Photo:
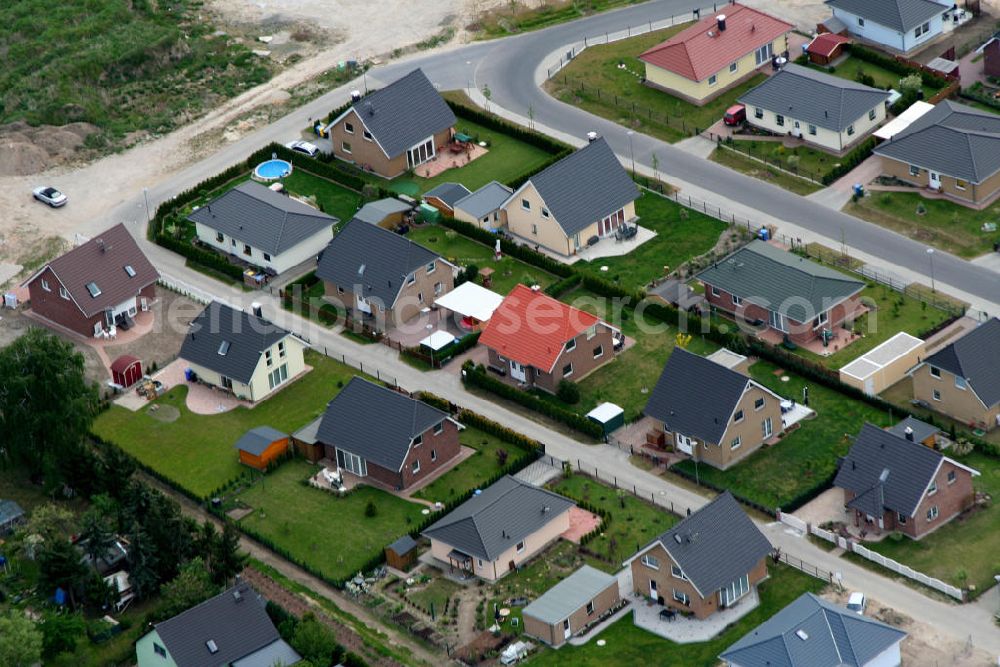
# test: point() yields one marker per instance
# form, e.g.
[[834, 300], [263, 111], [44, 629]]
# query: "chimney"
[[370, 108], [591, 137], [100, 244], [720, 21], [536, 288], [908, 433], [355, 96], [256, 309]]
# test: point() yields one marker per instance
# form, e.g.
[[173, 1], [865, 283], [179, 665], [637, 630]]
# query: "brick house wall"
[[991, 58], [962, 405], [963, 194], [554, 634], [65, 312], [666, 583], [798, 332], [583, 358], [366, 153], [749, 430]]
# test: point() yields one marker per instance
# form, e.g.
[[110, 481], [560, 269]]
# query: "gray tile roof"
[[485, 200], [384, 440], [570, 594], [976, 357], [716, 545], [263, 218], [256, 440], [775, 279], [951, 138], [900, 15], [585, 186], [815, 97], [487, 525], [375, 212], [910, 465], [246, 336], [811, 632], [372, 261], [696, 396], [921, 430], [239, 626], [102, 260], [403, 545], [275, 653], [308, 433], [449, 193], [404, 113]]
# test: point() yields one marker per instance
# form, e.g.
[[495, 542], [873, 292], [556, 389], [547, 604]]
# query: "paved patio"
[[414, 330], [581, 522], [841, 338], [689, 630], [201, 399], [445, 160]]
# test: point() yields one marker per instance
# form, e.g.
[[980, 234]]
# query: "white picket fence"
[[190, 291], [908, 572]]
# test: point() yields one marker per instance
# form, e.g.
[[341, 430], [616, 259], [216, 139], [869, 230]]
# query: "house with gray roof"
[[709, 561], [381, 278], [270, 230], [394, 129], [823, 110], [712, 413], [893, 483], [811, 632], [499, 528], [583, 198], [901, 26], [443, 196], [962, 380], [576, 603], [388, 212], [231, 629], [387, 438], [765, 285], [241, 352], [952, 149], [482, 207]]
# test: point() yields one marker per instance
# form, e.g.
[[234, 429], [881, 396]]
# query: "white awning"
[[438, 340], [903, 120], [471, 300]]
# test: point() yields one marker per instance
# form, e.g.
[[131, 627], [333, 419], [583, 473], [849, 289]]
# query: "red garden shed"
[[126, 370]]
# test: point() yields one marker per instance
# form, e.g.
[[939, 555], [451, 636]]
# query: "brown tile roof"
[[703, 50]]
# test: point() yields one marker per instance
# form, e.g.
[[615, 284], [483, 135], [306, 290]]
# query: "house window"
[[737, 300], [438, 288], [571, 344], [932, 513], [420, 297], [650, 561], [850, 129], [525, 204], [763, 54], [677, 573], [434, 455], [352, 463], [349, 128], [415, 467], [247, 250], [63, 293], [951, 476], [534, 230], [591, 332], [267, 358], [598, 352], [861, 22], [901, 519], [935, 372], [922, 29], [439, 428], [959, 184], [812, 130], [735, 444], [281, 349], [733, 67], [412, 278], [960, 382], [758, 404], [937, 395], [367, 135], [715, 291], [159, 650], [821, 319], [220, 237], [712, 80], [758, 113], [98, 328], [545, 212], [347, 147], [766, 429], [590, 608], [932, 489], [418, 440], [232, 242], [520, 547], [871, 115], [340, 290], [277, 376], [45, 285], [735, 590], [779, 119], [267, 257], [738, 417], [682, 597], [567, 370], [430, 267]]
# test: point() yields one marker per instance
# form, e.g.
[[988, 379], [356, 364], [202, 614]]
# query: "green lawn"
[[763, 172], [810, 162], [626, 645], [943, 224], [462, 251], [196, 451], [473, 472], [634, 523], [682, 234], [333, 199], [806, 458], [850, 68], [594, 82], [963, 551], [434, 594], [329, 533]]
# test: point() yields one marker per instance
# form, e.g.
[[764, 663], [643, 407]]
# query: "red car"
[[735, 115]]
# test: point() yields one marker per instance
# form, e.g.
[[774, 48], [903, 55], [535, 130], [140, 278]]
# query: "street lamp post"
[[145, 197], [631, 153], [930, 254]]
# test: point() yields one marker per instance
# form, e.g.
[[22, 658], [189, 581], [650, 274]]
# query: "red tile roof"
[[531, 327], [825, 43], [703, 50]]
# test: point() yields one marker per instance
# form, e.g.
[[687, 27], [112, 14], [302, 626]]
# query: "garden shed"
[[608, 415], [402, 553], [885, 365], [126, 370], [259, 447]]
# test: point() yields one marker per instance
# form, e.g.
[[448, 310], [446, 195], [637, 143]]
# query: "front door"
[[652, 589], [684, 443], [227, 383], [566, 632], [517, 371], [935, 180], [765, 427]]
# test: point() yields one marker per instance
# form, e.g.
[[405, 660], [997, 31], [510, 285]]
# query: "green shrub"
[[568, 392]]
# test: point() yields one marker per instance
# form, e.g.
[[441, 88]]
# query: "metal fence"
[[808, 568], [660, 499], [745, 149]]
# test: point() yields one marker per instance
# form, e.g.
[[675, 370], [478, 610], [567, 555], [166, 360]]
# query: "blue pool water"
[[272, 170]]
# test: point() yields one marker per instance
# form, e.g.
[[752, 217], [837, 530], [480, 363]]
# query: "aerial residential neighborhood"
[[478, 333]]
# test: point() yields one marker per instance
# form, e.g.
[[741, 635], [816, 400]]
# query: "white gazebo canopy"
[[903, 120], [438, 340], [470, 300]]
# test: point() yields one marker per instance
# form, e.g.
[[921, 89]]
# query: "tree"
[[314, 641], [228, 560], [59, 566], [60, 632], [97, 533], [51, 521], [46, 404], [20, 640], [912, 84], [568, 392], [142, 562], [191, 586]]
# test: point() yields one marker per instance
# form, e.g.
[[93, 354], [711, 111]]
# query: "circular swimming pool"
[[272, 170]]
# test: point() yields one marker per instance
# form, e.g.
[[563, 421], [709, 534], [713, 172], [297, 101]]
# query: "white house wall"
[[301, 252], [880, 34], [826, 138]]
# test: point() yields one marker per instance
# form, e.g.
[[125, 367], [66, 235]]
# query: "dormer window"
[[130, 271], [94, 290]]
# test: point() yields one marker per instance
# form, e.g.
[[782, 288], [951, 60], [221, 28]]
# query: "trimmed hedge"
[[521, 252], [477, 377], [563, 285], [518, 132], [893, 65], [850, 161]]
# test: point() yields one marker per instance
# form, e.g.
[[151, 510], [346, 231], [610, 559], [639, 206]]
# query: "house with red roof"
[[716, 53], [537, 341]]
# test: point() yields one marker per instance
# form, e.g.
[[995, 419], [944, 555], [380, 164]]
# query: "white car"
[[857, 603], [303, 147], [49, 195]]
